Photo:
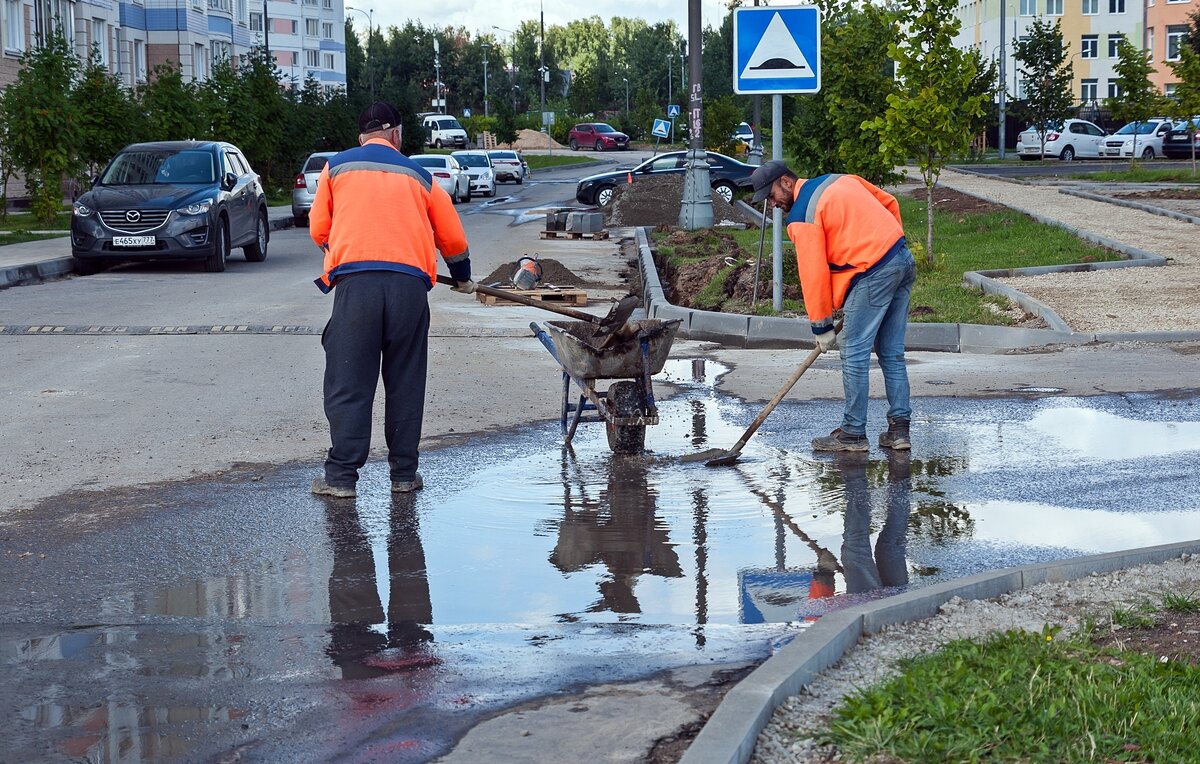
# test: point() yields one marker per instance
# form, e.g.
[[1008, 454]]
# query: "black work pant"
[[380, 321]]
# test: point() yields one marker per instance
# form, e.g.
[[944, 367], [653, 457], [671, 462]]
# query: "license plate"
[[133, 241]]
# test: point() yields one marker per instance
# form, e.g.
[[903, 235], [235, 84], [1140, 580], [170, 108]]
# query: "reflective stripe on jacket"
[[376, 209], [841, 226]]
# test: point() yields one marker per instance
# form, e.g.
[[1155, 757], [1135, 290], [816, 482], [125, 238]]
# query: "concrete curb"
[[743, 331], [730, 733], [31, 273], [1131, 204]]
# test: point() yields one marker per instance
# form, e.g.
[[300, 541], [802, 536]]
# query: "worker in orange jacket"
[[851, 256], [381, 220]]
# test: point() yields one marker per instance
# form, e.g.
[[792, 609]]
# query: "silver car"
[[448, 173], [305, 187], [479, 167], [508, 165]]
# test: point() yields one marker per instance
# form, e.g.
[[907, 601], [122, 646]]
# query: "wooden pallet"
[[598, 235], [572, 297]]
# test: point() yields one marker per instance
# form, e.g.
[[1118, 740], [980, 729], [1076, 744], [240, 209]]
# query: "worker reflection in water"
[[888, 567], [355, 608], [622, 532]]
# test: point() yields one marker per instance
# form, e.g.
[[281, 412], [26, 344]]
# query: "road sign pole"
[[777, 214], [696, 211]]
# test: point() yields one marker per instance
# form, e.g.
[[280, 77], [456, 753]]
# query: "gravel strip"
[[1118, 300], [786, 739]]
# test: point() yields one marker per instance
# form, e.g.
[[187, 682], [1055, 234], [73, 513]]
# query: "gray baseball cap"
[[762, 178]]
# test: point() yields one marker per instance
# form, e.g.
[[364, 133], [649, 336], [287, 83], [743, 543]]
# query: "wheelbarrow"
[[627, 406]]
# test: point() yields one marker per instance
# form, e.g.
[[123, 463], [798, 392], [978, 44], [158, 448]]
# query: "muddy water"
[[244, 614]]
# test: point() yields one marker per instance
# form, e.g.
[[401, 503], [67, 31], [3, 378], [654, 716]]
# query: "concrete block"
[[975, 338], [560, 220], [727, 328], [777, 332], [1081, 567], [924, 602], [551, 221], [1192, 336], [938, 337]]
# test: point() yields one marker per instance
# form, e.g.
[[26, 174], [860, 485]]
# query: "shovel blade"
[[702, 456], [724, 460]]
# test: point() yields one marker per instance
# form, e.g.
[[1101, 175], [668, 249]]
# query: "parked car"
[[508, 165], [743, 135], [442, 130], [1178, 143], [448, 173], [597, 135], [479, 170], [191, 200], [1073, 139], [725, 174], [1146, 137], [305, 187]]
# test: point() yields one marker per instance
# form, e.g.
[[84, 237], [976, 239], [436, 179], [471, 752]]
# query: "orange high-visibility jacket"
[[376, 209], [841, 226]]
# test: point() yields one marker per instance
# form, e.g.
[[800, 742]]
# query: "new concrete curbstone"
[[744, 711], [979, 338], [935, 337], [1130, 204]]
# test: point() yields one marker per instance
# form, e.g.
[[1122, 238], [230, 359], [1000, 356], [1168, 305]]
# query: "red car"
[[597, 135]]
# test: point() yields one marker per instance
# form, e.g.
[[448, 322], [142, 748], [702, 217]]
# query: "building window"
[[1114, 45], [312, 58], [256, 22], [1091, 7], [1089, 46], [294, 26], [310, 27], [1088, 90], [327, 61], [139, 60], [1114, 89], [1054, 7], [100, 40], [1028, 7], [313, 3], [327, 30], [219, 5], [199, 63], [14, 26], [220, 51], [1022, 90], [328, 4], [1116, 6], [52, 16], [1150, 41], [1169, 90], [1175, 37]]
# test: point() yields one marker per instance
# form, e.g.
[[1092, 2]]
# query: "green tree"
[[720, 119], [41, 123], [929, 116], [504, 118], [109, 118], [1139, 99], [170, 104], [1187, 93], [1042, 61], [857, 77]]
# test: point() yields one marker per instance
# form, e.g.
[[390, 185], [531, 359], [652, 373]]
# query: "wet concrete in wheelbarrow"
[[240, 616]]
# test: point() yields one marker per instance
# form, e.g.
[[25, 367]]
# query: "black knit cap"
[[378, 116]]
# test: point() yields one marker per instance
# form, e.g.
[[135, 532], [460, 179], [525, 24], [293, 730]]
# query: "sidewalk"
[[50, 258]]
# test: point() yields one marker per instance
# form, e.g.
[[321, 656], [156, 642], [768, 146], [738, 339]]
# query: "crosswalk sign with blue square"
[[662, 128], [777, 49], [672, 111]]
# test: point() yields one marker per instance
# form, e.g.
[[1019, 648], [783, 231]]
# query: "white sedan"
[[479, 168], [1147, 135], [1073, 139], [448, 173]]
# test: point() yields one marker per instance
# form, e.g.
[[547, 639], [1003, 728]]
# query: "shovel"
[[715, 457], [608, 328]]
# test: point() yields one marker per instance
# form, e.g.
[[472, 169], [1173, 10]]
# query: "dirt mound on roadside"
[[533, 139], [721, 253], [656, 201], [553, 272]]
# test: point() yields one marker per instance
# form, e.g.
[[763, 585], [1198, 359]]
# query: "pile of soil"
[[532, 139], [721, 253], [553, 272], [949, 200], [656, 200]]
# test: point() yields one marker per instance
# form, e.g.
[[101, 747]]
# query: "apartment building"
[[306, 37], [1092, 31], [1166, 26]]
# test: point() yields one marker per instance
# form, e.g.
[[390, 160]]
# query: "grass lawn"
[[20, 237], [543, 161], [23, 221], [1144, 174], [1029, 697], [963, 241]]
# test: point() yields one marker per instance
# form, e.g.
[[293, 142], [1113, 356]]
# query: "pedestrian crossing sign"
[[662, 128], [777, 49]]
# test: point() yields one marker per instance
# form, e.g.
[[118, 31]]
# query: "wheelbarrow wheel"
[[626, 399]]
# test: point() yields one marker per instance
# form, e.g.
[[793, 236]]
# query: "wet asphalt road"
[[241, 614]]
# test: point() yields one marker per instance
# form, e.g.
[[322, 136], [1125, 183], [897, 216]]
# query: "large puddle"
[[524, 569]]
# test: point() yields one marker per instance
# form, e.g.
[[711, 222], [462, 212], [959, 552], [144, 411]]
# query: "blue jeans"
[[876, 315]]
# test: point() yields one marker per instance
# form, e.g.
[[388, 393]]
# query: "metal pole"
[[437, 69], [1001, 74], [485, 63], [626, 93], [542, 70], [696, 211], [777, 214], [266, 27]]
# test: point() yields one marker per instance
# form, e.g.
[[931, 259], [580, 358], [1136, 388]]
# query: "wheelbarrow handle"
[[507, 295]]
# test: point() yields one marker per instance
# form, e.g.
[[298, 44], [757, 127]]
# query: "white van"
[[442, 130]]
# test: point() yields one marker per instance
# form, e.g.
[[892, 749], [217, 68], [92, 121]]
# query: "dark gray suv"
[[193, 200]]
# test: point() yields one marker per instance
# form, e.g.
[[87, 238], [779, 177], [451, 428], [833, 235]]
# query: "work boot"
[[408, 486], [321, 488], [840, 441], [896, 436]]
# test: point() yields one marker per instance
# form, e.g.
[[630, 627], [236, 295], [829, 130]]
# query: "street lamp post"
[[437, 74], [1000, 109], [626, 79], [485, 92], [370, 14]]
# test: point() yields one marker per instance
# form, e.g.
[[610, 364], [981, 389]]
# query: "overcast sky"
[[479, 15]]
